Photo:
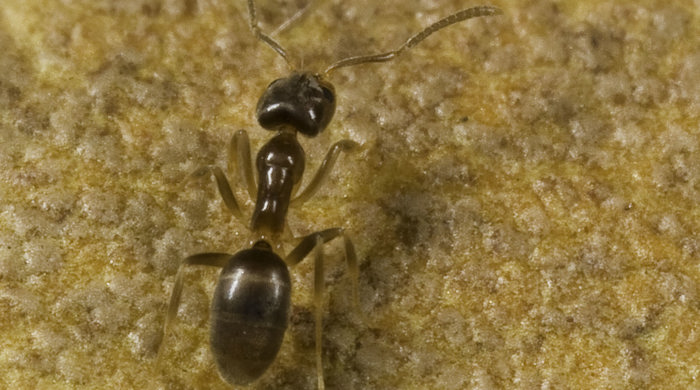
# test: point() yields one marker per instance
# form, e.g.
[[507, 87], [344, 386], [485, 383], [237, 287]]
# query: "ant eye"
[[302, 101]]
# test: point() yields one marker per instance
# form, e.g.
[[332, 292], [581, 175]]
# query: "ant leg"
[[314, 242], [223, 185], [240, 147], [308, 243], [354, 271], [318, 306], [324, 169], [210, 259]]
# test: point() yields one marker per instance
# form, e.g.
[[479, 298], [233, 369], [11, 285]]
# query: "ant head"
[[302, 101]]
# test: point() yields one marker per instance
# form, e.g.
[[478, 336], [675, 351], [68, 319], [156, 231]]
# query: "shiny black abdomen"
[[249, 314]]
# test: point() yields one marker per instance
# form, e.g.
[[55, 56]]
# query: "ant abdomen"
[[249, 314]]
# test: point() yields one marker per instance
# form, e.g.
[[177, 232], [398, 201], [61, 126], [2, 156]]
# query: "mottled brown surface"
[[524, 204]]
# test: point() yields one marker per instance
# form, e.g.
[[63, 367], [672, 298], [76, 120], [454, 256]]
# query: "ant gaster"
[[250, 307]]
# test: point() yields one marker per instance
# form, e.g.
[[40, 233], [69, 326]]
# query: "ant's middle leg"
[[324, 169]]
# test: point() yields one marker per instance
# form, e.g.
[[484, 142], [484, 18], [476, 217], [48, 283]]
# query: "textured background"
[[524, 203]]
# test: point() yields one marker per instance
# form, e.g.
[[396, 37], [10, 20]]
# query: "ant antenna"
[[417, 38], [264, 37], [297, 17]]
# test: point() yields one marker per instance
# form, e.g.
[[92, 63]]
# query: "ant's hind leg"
[[354, 273], [314, 242], [308, 243], [210, 259], [324, 169], [240, 147], [318, 309]]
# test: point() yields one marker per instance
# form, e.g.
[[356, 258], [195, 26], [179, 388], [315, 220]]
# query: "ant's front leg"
[[324, 169], [240, 147], [224, 187]]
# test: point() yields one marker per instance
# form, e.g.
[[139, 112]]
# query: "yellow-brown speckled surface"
[[524, 203]]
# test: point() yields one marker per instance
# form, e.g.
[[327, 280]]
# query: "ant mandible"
[[250, 307]]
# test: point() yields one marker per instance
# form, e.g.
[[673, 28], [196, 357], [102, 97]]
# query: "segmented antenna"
[[264, 37], [296, 18], [417, 38]]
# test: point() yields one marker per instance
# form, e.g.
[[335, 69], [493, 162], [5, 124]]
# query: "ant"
[[250, 306]]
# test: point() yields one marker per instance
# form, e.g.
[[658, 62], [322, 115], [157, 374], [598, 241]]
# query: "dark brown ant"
[[250, 307]]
